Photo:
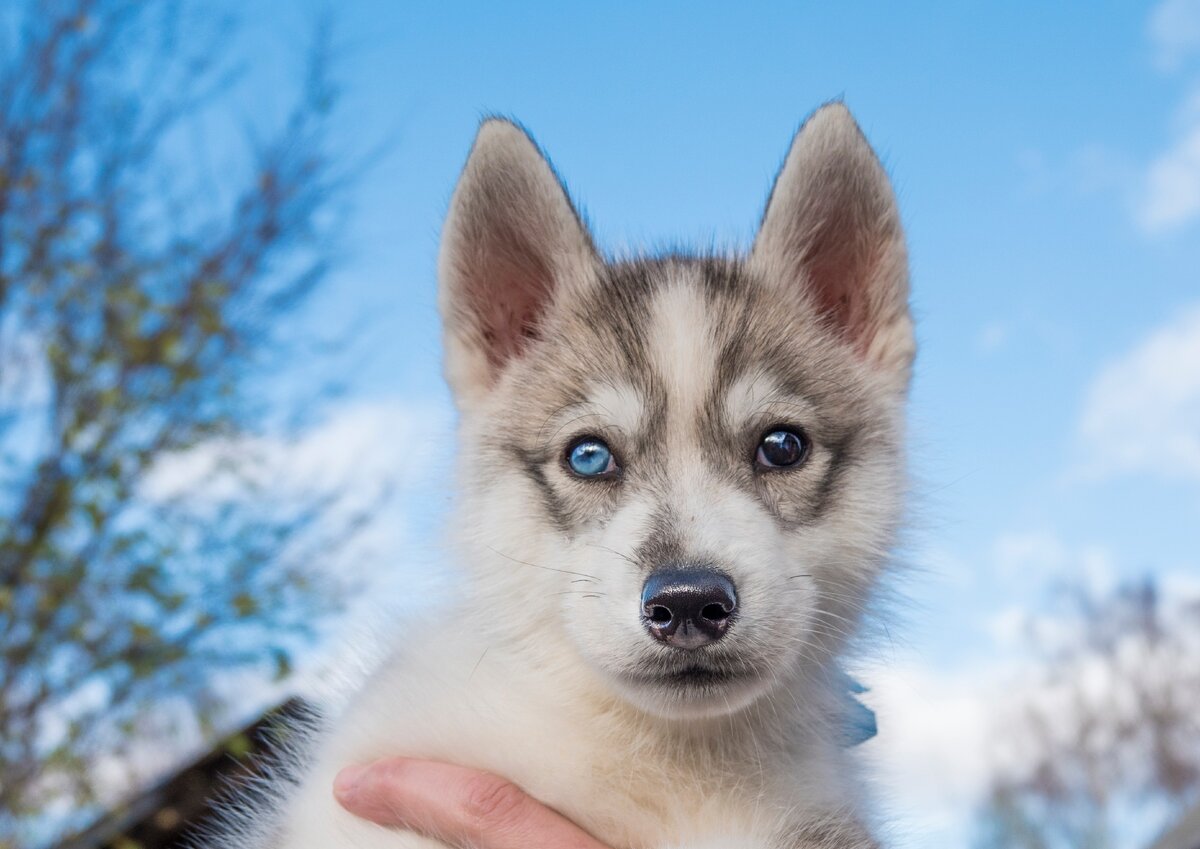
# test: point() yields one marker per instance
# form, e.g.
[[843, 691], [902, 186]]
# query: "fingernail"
[[347, 781]]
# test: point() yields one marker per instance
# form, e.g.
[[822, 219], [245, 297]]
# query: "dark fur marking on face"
[[620, 312], [840, 459], [794, 497], [532, 465], [619, 303]]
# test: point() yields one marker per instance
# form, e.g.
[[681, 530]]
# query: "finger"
[[459, 806]]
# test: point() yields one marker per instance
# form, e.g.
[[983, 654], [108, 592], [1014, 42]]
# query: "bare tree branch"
[[1109, 742], [134, 314]]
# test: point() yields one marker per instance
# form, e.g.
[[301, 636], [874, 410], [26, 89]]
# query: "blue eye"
[[590, 457], [781, 449]]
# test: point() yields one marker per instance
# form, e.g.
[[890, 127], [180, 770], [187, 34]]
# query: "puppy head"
[[689, 469]]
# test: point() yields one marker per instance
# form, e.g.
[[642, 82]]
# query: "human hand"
[[462, 807]]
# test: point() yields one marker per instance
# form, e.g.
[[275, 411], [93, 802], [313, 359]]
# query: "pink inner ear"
[[517, 295], [839, 276]]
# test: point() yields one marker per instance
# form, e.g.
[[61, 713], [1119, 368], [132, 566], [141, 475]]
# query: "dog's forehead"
[[683, 334], [683, 341], [668, 354]]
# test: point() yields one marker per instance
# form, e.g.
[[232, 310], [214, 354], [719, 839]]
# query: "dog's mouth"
[[698, 676], [689, 687], [693, 677]]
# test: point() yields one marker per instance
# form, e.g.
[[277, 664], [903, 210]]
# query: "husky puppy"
[[680, 478]]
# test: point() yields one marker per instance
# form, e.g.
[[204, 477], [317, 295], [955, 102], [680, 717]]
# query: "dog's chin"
[[695, 691]]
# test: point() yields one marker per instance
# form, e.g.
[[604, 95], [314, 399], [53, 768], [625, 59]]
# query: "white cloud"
[[1170, 194], [1161, 194], [932, 757], [1142, 411], [390, 457], [1174, 30], [25, 396], [363, 444], [1028, 567]]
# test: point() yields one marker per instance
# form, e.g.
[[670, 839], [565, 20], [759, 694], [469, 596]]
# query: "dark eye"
[[590, 457], [781, 449]]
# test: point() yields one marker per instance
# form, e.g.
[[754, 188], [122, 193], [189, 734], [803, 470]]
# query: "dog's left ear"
[[831, 232], [511, 246]]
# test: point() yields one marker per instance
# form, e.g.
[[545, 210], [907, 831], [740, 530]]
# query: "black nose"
[[688, 608]]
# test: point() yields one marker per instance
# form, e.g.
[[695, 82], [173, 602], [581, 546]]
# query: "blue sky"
[[1047, 160]]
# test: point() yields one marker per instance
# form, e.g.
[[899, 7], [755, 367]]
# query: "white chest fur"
[[632, 780]]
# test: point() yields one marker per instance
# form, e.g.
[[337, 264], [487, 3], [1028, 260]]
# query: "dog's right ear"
[[831, 233], [512, 243]]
